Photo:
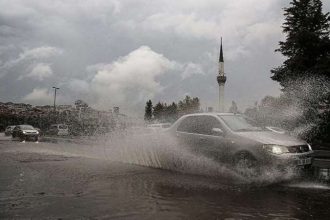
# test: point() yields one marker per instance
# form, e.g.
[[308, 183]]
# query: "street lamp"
[[55, 88]]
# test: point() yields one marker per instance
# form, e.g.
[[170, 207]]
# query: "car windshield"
[[27, 127], [239, 123]]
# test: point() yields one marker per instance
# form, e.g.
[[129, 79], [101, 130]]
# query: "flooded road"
[[73, 181]]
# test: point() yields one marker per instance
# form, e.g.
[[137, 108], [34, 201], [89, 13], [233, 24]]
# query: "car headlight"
[[24, 132], [276, 149]]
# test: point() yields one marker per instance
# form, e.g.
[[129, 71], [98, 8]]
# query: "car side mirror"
[[217, 131]]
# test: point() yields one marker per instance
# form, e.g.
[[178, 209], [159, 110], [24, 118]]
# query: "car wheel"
[[21, 138], [244, 160]]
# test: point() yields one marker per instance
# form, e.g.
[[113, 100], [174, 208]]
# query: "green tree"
[[305, 74], [148, 111], [189, 105], [172, 112], [159, 111], [307, 44]]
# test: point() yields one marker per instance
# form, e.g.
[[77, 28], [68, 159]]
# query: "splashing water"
[[159, 150], [309, 185]]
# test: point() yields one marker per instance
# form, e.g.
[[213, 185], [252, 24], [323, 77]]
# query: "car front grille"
[[298, 149]]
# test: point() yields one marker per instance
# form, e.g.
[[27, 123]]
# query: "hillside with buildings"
[[81, 118]]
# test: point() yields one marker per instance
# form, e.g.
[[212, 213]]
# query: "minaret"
[[221, 78]]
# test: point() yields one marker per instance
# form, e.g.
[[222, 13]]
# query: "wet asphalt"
[[52, 181]]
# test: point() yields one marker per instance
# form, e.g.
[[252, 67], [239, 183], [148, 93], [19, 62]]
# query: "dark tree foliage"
[[159, 111], [189, 105], [172, 112], [148, 111], [305, 74], [307, 44], [162, 112]]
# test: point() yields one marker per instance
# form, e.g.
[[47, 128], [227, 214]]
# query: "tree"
[[80, 104], [305, 74], [307, 44], [148, 111], [172, 112], [233, 108], [188, 105], [159, 111]]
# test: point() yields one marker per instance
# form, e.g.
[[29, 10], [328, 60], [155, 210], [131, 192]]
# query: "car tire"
[[21, 138], [244, 160]]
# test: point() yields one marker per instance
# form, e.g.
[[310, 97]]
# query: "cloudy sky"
[[123, 52]]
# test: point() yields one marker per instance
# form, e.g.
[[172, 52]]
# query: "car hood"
[[265, 137]]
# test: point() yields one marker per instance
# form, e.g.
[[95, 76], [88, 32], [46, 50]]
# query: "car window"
[[206, 123], [202, 124], [239, 123], [188, 125], [27, 127]]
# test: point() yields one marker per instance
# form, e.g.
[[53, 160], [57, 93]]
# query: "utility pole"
[[55, 88]]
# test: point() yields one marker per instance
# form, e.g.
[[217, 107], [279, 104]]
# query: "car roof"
[[24, 125]]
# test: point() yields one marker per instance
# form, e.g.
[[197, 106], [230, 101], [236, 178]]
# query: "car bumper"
[[293, 159], [30, 136]]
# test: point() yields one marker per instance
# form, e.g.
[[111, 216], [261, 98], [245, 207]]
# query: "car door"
[[211, 143], [186, 133]]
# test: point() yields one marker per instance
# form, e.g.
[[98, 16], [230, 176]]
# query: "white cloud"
[[79, 86], [185, 25], [39, 53], [100, 31], [191, 69], [34, 54], [39, 72], [130, 79], [39, 96]]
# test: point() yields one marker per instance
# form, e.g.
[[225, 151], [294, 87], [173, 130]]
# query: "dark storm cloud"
[[101, 50]]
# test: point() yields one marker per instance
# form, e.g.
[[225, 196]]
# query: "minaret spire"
[[221, 78], [221, 53]]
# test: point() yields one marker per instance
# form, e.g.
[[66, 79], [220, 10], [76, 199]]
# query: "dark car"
[[231, 138], [25, 132], [9, 130]]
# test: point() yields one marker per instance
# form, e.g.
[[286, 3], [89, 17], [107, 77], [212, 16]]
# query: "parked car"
[[231, 138], [25, 133], [158, 127], [58, 129], [40, 131], [9, 130]]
